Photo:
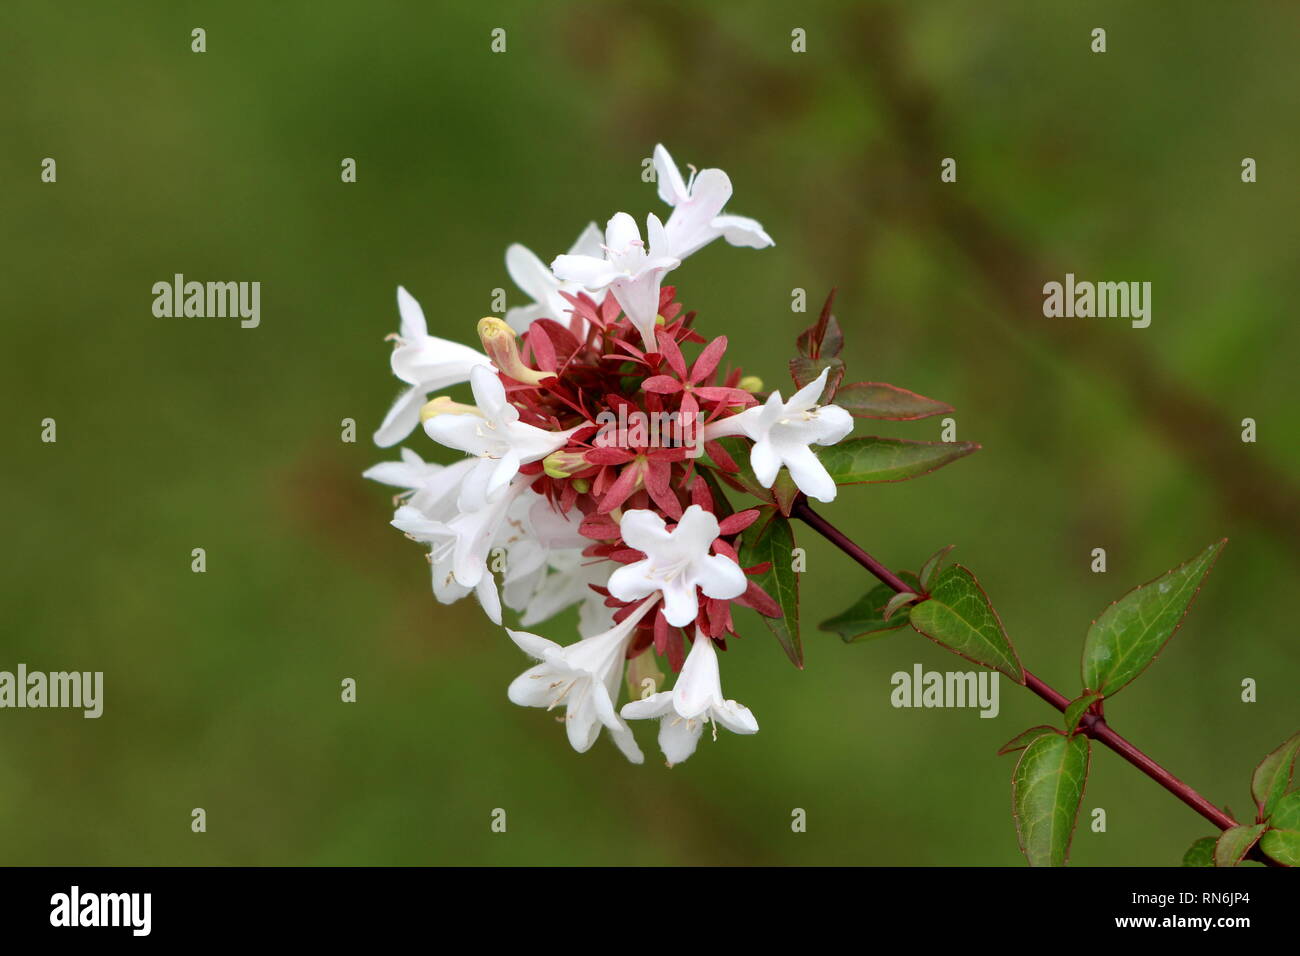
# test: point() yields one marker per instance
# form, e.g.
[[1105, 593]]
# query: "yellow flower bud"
[[503, 349]]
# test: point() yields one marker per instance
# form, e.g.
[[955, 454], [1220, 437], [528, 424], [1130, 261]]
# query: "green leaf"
[[1235, 843], [1026, 737], [1282, 845], [932, 565], [957, 615], [887, 402], [770, 539], [1200, 853], [866, 618], [1286, 815], [1078, 707], [861, 460], [1047, 787], [1132, 631], [1272, 777]]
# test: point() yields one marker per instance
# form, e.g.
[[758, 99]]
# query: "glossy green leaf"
[[1078, 707], [1026, 737], [1235, 843], [886, 402], [1273, 776], [861, 460], [1047, 787], [770, 539], [1282, 845], [958, 616], [866, 618], [1132, 631], [1200, 853]]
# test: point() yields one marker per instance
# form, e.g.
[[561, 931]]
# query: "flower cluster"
[[594, 469]]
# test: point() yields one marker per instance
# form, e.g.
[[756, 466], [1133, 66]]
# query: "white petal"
[[696, 530], [742, 231], [532, 688], [809, 474], [672, 188], [833, 424], [529, 272], [401, 418], [656, 705], [534, 645], [631, 583], [678, 737], [807, 396], [413, 325], [764, 461], [735, 717], [720, 577], [643, 530], [681, 603], [588, 242], [588, 271], [698, 686]]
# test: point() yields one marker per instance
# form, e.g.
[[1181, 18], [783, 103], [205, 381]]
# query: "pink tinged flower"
[[492, 431], [695, 700], [782, 433], [542, 285], [697, 217], [676, 563], [584, 678], [632, 270], [424, 362]]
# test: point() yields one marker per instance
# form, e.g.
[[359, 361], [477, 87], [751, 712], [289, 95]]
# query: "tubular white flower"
[[675, 563], [631, 270], [782, 433], [461, 540], [584, 677], [424, 362], [697, 206], [695, 700], [534, 278], [493, 432]]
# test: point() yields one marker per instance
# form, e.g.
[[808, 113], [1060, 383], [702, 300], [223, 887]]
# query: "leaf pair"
[[1277, 824]]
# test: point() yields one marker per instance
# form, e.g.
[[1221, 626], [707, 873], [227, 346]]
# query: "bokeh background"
[[223, 688]]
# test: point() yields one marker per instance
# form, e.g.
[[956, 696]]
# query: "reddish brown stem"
[[1093, 725]]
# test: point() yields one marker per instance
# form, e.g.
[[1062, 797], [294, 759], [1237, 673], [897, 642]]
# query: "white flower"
[[676, 562], [697, 206], [782, 433], [411, 472], [696, 699], [534, 278], [424, 362], [584, 677], [493, 432], [631, 270], [462, 540]]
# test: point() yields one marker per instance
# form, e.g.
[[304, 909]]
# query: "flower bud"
[[502, 348], [564, 464], [751, 383]]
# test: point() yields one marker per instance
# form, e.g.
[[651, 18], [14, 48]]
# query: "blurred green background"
[[222, 689]]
